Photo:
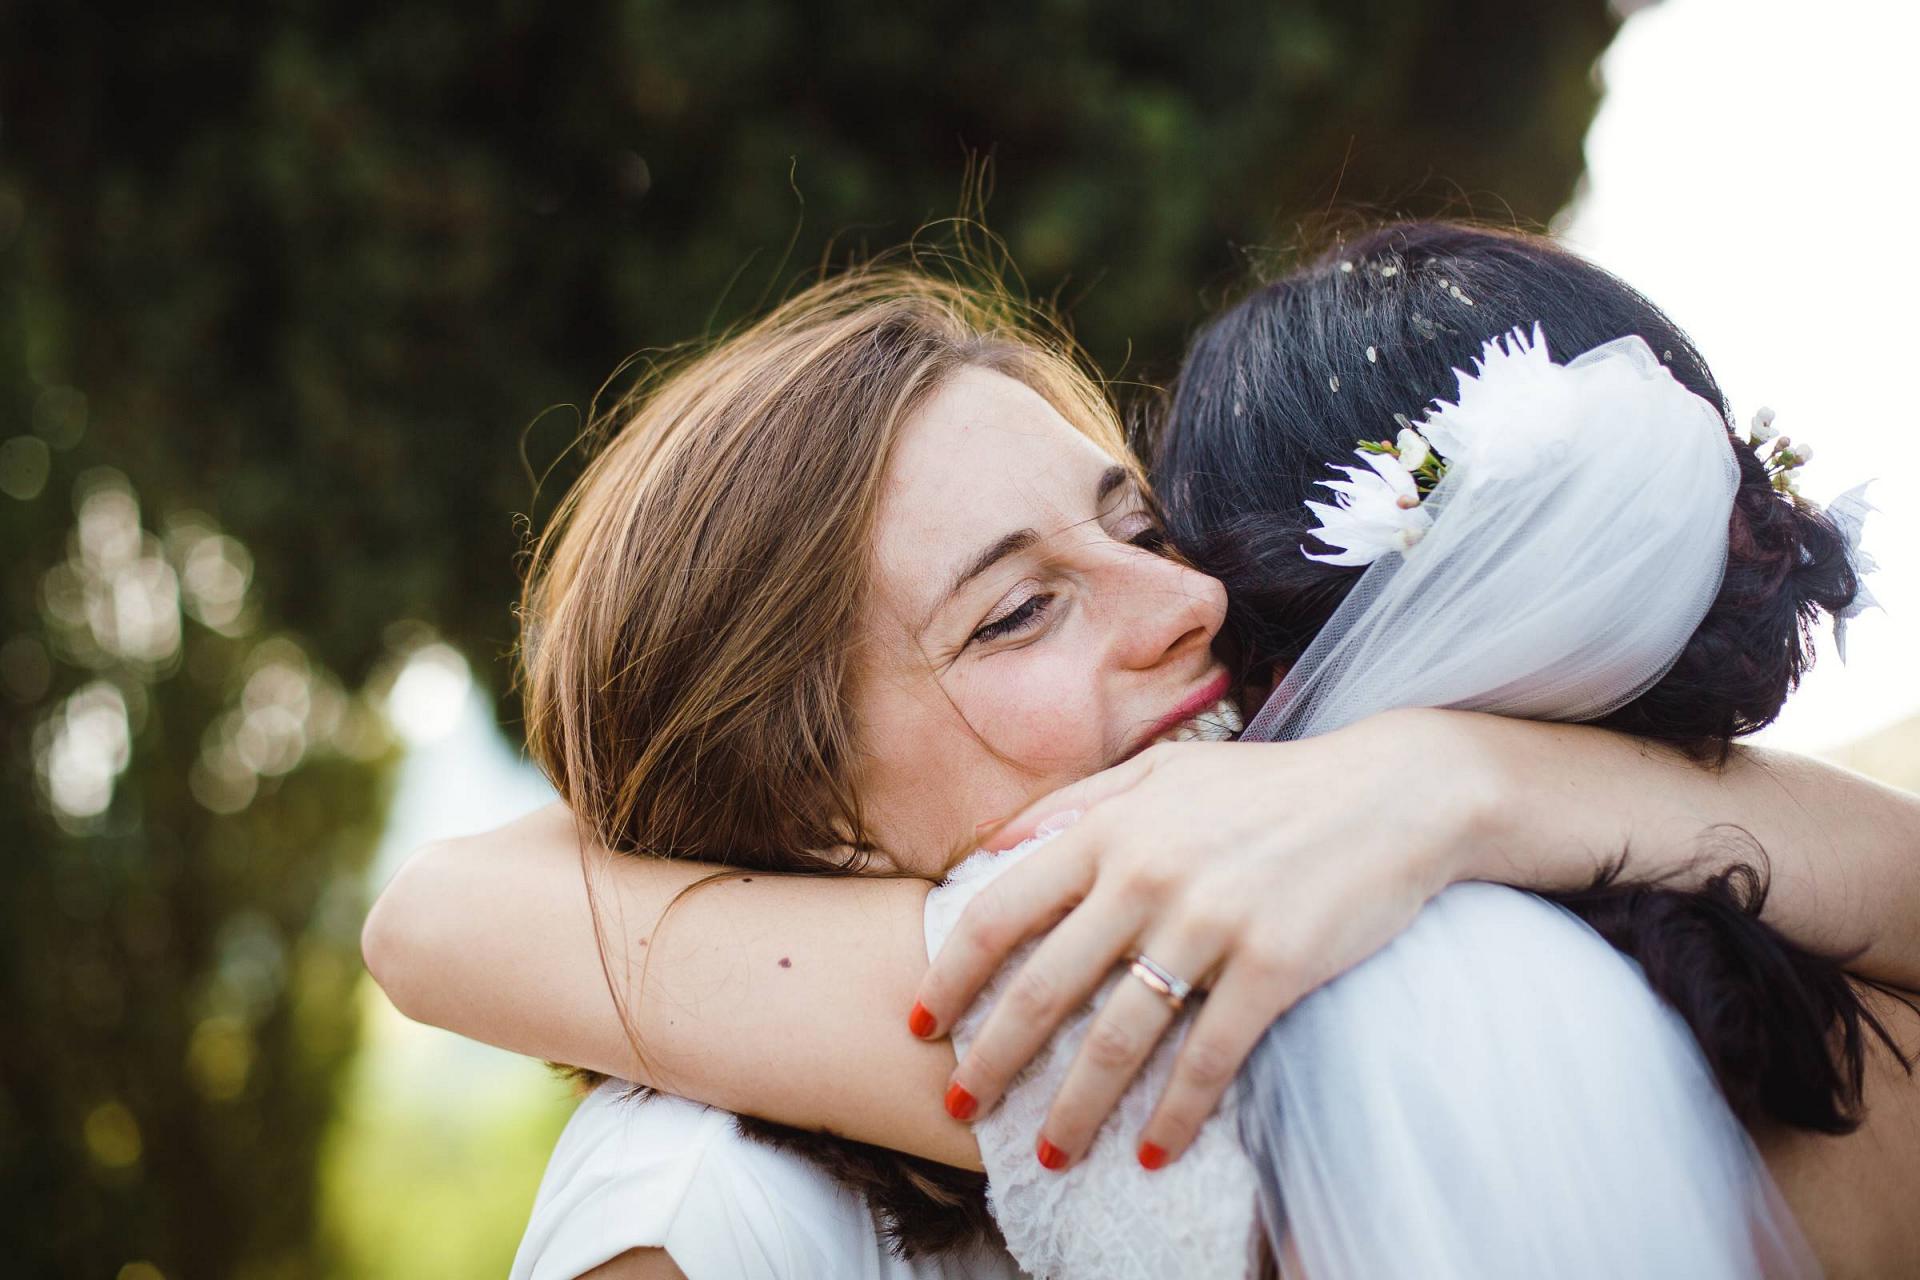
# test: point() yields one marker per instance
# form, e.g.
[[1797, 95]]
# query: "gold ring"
[[1161, 981]]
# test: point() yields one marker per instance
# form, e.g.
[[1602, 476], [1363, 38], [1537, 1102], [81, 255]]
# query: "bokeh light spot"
[[220, 1058], [112, 1136], [427, 695], [81, 749], [60, 416], [24, 465]]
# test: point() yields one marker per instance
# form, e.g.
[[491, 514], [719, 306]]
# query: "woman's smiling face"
[[1022, 632]]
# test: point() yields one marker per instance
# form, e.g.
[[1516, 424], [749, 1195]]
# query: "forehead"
[[983, 456]]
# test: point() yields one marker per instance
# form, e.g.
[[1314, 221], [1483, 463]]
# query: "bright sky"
[[1752, 170]]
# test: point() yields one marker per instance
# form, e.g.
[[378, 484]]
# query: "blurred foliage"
[[307, 276], [186, 800], [436, 1152], [323, 264]]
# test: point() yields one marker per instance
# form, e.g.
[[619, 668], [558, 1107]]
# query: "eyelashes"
[[1152, 538], [1014, 620]]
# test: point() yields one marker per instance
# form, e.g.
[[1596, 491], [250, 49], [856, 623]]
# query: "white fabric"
[[1105, 1217], [1497, 1093], [661, 1172]]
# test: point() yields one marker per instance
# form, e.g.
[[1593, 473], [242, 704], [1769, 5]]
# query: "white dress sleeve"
[[1105, 1218], [662, 1172]]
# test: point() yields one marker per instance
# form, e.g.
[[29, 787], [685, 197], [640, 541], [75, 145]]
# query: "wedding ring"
[[1169, 988]]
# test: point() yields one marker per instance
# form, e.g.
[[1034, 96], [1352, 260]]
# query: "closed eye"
[[1014, 620], [1152, 538]]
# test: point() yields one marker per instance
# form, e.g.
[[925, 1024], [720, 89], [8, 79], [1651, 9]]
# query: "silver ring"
[[1161, 982]]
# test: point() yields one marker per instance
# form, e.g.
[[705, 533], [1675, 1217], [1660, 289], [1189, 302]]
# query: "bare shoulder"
[[637, 1264], [552, 822], [1854, 1195]]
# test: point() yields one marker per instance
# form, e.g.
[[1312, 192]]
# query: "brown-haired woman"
[[876, 573]]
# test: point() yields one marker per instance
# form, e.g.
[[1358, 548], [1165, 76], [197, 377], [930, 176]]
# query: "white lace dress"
[[1105, 1217]]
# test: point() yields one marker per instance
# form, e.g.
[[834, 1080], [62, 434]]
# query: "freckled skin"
[[957, 731]]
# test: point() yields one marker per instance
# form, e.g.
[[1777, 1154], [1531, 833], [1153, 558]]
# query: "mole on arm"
[[785, 962]]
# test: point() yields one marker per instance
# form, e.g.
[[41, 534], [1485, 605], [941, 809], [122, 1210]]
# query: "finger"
[[1075, 798], [1064, 969], [1026, 900], [1237, 1012], [1122, 1036]]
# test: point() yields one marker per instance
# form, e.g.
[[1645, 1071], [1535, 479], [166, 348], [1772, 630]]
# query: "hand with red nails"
[[1203, 857]]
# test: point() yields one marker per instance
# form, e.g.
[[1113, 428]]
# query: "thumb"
[[1060, 807]]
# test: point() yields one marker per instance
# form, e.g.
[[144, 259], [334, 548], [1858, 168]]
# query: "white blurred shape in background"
[[1751, 170], [458, 775]]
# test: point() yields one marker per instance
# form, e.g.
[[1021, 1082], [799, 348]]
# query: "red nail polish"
[[960, 1103], [1151, 1156], [1050, 1156], [920, 1021]]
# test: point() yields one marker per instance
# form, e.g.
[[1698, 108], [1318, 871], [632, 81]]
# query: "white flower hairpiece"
[[1849, 515], [1377, 510], [1781, 456], [1382, 509]]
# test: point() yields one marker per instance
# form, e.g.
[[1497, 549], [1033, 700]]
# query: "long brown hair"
[[689, 615]]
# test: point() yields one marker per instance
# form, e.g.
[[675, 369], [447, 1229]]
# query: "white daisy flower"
[[1374, 511]]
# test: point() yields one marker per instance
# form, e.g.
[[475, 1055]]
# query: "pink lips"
[[1192, 705]]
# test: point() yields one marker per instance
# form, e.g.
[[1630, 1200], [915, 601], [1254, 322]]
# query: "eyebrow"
[[1022, 539], [1012, 544], [1112, 479]]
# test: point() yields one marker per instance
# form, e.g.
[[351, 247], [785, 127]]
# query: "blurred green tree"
[[317, 271]]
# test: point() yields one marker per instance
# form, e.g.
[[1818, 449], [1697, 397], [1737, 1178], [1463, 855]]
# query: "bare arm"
[[491, 936], [1313, 855], [1843, 851], [637, 1264], [777, 996]]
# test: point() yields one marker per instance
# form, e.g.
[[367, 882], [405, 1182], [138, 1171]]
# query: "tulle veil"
[[1498, 1092]]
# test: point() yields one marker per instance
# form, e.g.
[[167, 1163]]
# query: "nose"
[[1163, 611]]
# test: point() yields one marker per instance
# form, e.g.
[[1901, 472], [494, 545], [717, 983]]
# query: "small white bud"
[[1802, 454], [1412, 448]]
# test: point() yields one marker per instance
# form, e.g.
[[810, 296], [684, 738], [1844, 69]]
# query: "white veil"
[[1498, 1092]]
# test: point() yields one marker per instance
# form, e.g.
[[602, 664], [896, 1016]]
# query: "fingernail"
[[1151, 1155], [920, 1021], [960, 1103], [1050, 1156], [1059, 822], [991, 825]]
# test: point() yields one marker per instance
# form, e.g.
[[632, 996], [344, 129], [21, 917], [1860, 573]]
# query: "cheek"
[[938, 759], [1040, 711]]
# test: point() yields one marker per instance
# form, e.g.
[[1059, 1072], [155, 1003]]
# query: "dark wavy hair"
[[1290, 378]]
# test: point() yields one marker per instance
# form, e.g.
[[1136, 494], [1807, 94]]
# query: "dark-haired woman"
[[1284, 894]]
